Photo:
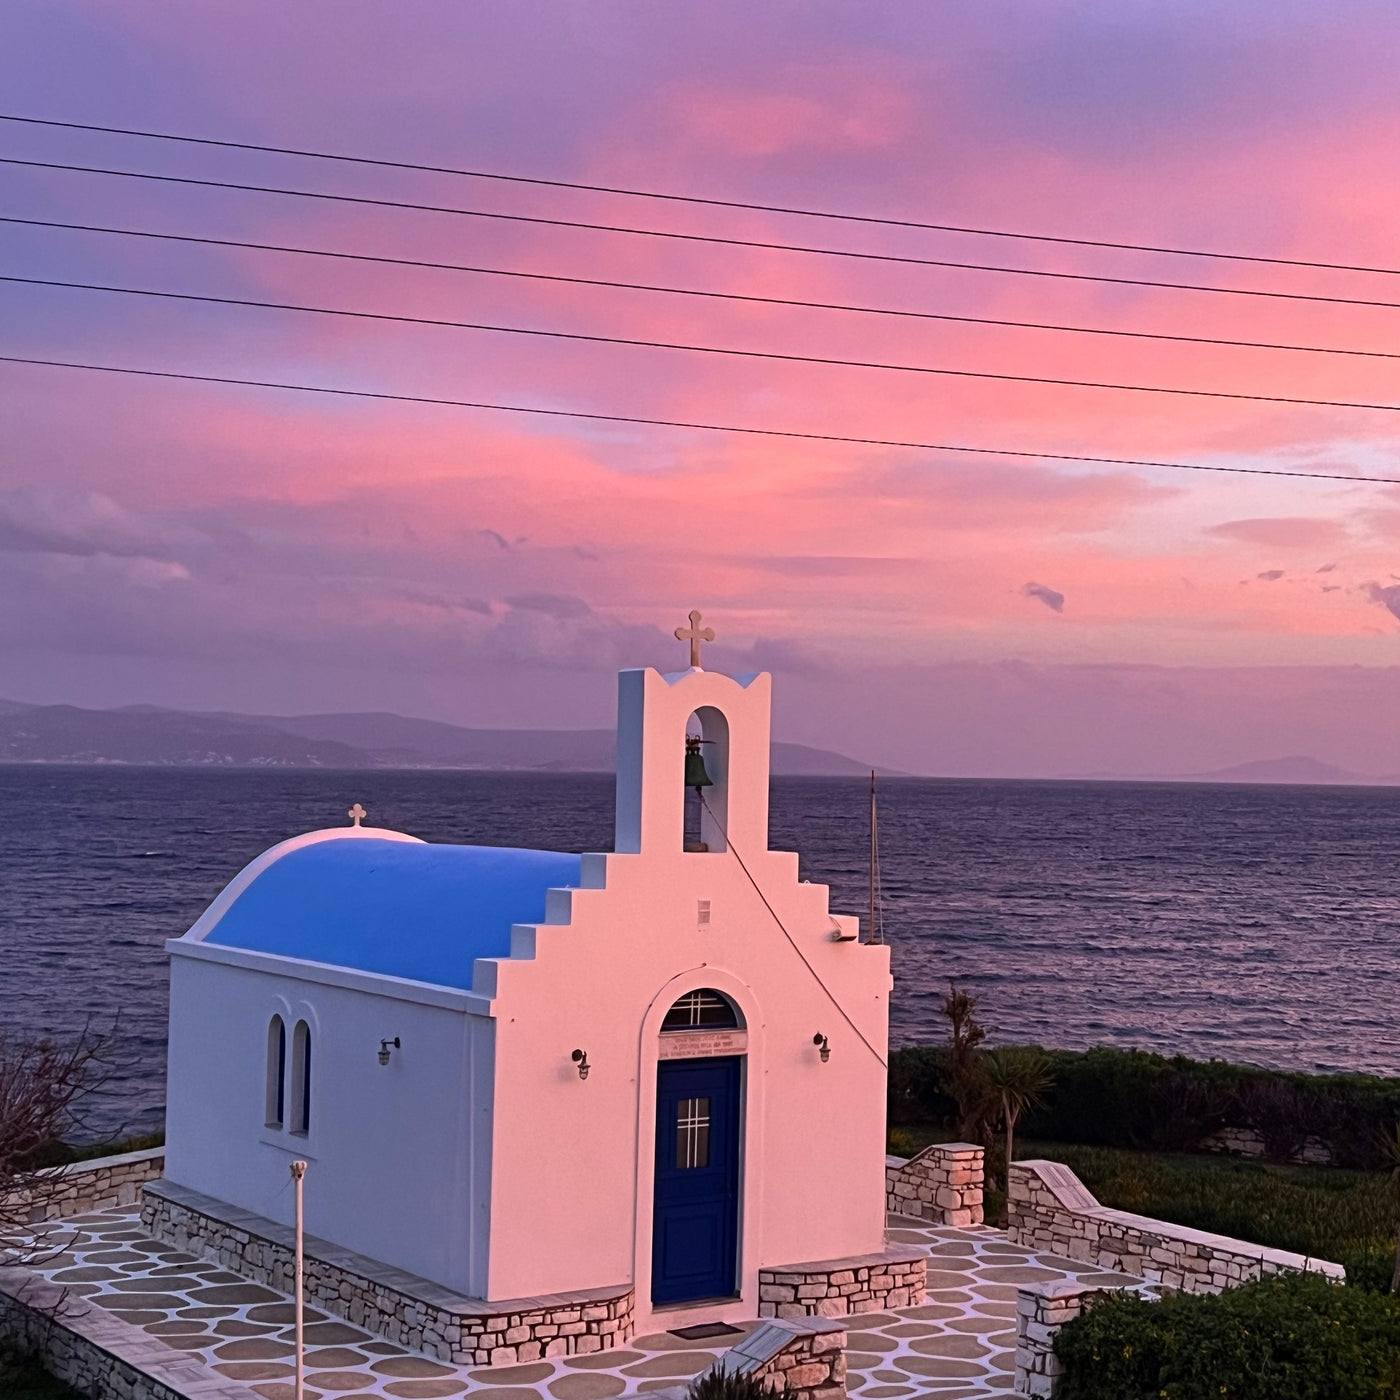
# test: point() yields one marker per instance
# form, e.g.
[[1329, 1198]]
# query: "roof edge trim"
[[228, 896], [380, 984]]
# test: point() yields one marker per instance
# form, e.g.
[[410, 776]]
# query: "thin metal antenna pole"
[[298, 1173], [872, 936]]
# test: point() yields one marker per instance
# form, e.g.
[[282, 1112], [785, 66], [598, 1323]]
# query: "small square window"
[[693, 1133], [702, 912]]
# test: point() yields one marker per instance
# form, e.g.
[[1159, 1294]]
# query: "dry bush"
[[44, 1086]]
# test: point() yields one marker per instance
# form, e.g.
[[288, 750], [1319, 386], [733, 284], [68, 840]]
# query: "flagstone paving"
[[958, 1344]]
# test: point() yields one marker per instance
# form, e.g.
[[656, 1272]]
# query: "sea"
[[1251, 923]]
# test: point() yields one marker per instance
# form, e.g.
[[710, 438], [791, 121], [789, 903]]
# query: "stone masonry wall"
[[1249, 1142], [1041, 1310], [1050, 1209], [801, 1358], [97, 1184], [943, 1183], [98, 1354], [398, 1306], [838, 1287]]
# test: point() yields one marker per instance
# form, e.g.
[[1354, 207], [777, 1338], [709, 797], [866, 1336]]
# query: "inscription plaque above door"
[[699, 1045]]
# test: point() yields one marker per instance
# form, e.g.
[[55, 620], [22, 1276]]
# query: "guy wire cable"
[[692, 237], [719, 350], [708, 201], [584, 415], [746, 297]]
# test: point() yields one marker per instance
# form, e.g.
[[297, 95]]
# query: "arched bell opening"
[[706, 809]]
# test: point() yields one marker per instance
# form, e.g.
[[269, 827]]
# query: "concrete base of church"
[[863, 1283], [398, 1306]]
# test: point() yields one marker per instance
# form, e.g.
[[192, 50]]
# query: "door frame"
[[750, 1202], [731, 1105]]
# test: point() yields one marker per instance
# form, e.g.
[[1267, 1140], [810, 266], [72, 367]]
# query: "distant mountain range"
[[147, 734], [1297, 770]]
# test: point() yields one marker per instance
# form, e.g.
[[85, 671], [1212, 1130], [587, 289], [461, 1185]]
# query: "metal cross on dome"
[[357, 814], [695, 634]]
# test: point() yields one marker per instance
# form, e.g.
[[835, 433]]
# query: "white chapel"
[[518, 1074]]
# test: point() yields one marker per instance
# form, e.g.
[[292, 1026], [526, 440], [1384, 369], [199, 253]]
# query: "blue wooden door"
[[695, 1223]]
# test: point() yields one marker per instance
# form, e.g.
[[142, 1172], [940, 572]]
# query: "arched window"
[[702, 1009], [301, 1078], [276, 1073]]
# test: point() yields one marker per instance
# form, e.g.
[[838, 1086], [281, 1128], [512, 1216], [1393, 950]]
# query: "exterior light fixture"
[[580, 1058], [385, 1046], [823, 1048]]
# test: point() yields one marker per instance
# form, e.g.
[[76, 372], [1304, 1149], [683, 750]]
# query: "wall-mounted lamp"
[[823, 1049], [581, 1060], [385, 1046]]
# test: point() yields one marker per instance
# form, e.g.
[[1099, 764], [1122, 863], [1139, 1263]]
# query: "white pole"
[[298, 1173]]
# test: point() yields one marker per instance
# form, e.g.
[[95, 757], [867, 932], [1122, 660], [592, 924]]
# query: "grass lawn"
[[1347, 1216]]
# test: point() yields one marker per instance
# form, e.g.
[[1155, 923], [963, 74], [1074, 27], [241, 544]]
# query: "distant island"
[[1295, 771], [148, 734]]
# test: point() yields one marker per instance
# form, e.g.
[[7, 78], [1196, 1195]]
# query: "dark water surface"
[[1254, 923]]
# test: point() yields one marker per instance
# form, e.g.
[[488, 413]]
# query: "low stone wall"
[[803, 1358], [1041, 1310], [1050, 1209], [98, 1354], [861, 1283], [96, 1184], [943, 1183], [413, 1312], [1249, 1142]]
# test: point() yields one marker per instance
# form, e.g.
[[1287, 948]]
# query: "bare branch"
[[44, 1084]]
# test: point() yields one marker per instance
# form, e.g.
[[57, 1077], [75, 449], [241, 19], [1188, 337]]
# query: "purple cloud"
[[1388, 596], [57, 520], [1052, 599]]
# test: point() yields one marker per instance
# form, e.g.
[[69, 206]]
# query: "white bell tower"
[[733, 716]]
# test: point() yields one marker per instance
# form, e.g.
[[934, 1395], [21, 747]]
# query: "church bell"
[[696, 775]]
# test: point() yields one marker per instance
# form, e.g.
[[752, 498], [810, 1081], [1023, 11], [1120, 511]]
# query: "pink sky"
[[232, 548]]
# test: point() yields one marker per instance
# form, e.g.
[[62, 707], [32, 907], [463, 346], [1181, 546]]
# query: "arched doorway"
[[699, 1093]]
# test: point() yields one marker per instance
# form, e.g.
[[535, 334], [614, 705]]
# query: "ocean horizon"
[[1254, 923]]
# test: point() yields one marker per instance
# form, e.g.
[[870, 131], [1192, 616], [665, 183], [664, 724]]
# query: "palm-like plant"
[[1390, 1146], [1019, 1077]]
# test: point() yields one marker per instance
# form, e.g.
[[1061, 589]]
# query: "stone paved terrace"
[[958, 1344]]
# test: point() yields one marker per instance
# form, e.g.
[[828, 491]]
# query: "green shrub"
[[917, 1093], [1129, 1098], [1287, 1337], [715, 1384], [61, 1154], [1370, 1268], [906, 1142]]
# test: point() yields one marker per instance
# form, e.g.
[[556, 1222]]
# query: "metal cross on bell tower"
[[695, 634]]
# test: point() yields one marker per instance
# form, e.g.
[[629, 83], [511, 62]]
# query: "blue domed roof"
[[396, 906]]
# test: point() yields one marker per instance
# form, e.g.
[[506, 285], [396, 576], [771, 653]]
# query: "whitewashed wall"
[[573, 1160], [406, 1165], [390, 1173]]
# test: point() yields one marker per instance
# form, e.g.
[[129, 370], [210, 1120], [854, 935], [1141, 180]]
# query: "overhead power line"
[[745, 297], [638, 420], [702, 200], [713, 239], [722, 350]]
